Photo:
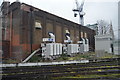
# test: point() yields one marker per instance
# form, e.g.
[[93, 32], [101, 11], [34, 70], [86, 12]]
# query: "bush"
[[10, 61]]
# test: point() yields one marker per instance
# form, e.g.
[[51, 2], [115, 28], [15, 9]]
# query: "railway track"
[[95, 70]]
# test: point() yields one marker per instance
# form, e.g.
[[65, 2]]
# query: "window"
[[38, 25]]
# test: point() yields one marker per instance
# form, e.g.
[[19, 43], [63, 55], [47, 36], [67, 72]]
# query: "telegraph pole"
[[79, 10]]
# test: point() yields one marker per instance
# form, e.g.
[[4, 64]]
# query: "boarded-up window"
[[72, 35], [65, 28], [81, 34], [86, 35], [38, 32], [77, 35], [49, 28], [58, 34]]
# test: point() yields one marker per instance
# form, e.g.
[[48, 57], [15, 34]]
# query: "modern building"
[[24, 27], [104, 43]]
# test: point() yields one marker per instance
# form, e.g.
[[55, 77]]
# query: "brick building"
[[20, 23]]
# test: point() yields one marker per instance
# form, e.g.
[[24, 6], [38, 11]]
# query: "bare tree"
[[104, 27]]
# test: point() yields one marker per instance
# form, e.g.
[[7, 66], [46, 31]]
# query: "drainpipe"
[[31, 29], [11, 33]]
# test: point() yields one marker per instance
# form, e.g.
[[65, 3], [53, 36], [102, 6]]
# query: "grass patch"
[[91, 76], [65, 57], [108, 55], [10, 61], [84, 56], [36, 58]]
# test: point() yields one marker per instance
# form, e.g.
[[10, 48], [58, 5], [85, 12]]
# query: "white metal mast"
[[80, 11]]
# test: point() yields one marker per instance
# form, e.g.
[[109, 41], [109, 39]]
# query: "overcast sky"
[[95, 9]]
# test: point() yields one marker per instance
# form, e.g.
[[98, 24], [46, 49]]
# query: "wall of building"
[[19, 31]]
